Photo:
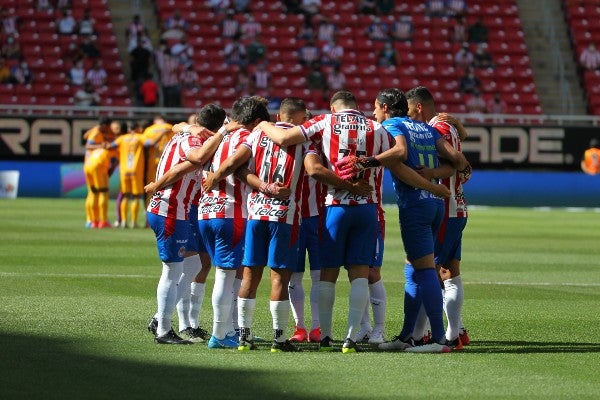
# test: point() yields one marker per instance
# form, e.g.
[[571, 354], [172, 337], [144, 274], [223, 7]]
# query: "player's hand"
[[441, 191], [275, 189], [361, 187], [425, 172], [444, 273], [347, 167], [465, 174], [208, 182], [150, 188], [232, 126]]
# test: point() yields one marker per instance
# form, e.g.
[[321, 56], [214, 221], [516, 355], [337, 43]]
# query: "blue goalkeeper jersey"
[[420, 142]]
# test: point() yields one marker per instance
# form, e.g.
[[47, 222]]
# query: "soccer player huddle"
[[245, 194]]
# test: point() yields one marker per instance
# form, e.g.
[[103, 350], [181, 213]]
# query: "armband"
[[222, 131]]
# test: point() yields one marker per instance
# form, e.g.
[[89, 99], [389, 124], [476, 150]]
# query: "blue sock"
[[431, 295], [412, 302]]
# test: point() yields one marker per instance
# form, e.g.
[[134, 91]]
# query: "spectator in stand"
[[326, 30], [459, 30], [262, 77], [250, 28], [230, 27], [44, 5], [307, 30], [170, 81], [590, 58], [388, 56], [77, 73], [464, 57], [436, 8], [89, 48], [9, 22], [4, 71], [159, 54], [292, 6], [385, 7], [469, 83], [11, 49], [86, 96], [367, 7], [496, 105], [20, 73], [175, 26], [66, 24], [148, 92], [188, 78], [316, 79], [139, 63], [378, 30], [336, 80], [242, 81], [142, 38], [309, 53], [218, 6], [97, 75], [402, 29], [235, 52], [183, 51], [332, 53], [87, 24], [241, 6], [256, 51], [62, 4], [135, 28], [478, 32], [476, 105], [456, 8], [310, 7], [483, 57], [72, 52]]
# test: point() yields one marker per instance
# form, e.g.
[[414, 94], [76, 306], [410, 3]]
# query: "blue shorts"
[[419, 225], [224, 240], [172, 236], [271, 244], [379, 247], [309, 241], [448, 243], [349, 236], [195, 244]]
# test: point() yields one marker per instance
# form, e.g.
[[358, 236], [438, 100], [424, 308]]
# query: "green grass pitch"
[[74, 304]]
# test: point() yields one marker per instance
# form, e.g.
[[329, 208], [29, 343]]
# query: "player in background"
[[591, 158], [158, 127], [167, 215], [95, 169]]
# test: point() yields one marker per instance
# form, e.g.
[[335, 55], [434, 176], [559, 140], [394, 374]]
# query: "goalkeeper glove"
[[347, 167]]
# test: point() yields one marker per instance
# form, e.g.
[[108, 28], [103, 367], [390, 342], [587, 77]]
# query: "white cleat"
[[396, 344], [432, 347], [377, 336]]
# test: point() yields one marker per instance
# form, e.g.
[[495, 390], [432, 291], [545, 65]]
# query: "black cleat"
[[350, 346], [197, 335], [153, 326], [171, 338], [286, 346], [326, 344]]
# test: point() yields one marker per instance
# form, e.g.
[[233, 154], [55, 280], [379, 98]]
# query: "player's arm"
[[241, 155], [443, 171], [456, 158], [452, 120], [395, 154], [275, 189], [281, 136], [171, 176], [316, 169], [201, 155], [412, 178]]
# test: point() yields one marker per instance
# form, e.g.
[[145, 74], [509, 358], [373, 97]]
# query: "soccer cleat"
[[300, 335], [377, 336], [455, 344], [153, 326], [315, 335], [197, 335], [350, 346], [464, 337], [94, 225], [431, 347], [88, 224], [227, 343], [286, 346], [170, 338], [363, 335], [246, 345], [396, 344], [326, 344], [104, 224], [234, 335]]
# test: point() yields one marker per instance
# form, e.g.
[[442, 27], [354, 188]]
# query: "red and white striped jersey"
[[348, 132], [174, 200], [273, 163], [456, 204], [228, 198]]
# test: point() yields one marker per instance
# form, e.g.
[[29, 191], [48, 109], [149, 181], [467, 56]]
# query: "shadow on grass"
[[40, 367], [491, 346]]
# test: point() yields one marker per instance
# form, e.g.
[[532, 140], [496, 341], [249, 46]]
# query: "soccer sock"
[[95, 207], [222, 302], [326, 301], [280, 311], [124, 210], [118, 208], [378, 298], [421, 325], [412, 302], [166, 295], [246, 314], [237, 283], [315, 277], [196, 300], [191, 267], [296, 291], [453, 301], [89, 207], [365, 321], [359, 299], [135, 210], [103, 206], [431, 295]]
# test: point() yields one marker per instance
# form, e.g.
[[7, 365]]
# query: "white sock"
[[365, 321], [166, 295], [315, 277], [237, 283], [222, 302], [191, 267], [296, 291], [280, 311], [378, 298], [326, 301], [359, 298], [420, 328], [246, 312], [196, 300], [453, 301]]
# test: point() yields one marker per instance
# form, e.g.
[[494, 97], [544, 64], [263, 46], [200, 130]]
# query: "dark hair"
[[345, 97], [419, 94], [292, 105], [105, 121], [245, 110], [211, 116], [395, 100], [594, 143]]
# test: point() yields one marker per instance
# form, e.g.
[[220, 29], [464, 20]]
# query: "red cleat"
[[104, 224], [464, 337], [315, 335], [300, 335]]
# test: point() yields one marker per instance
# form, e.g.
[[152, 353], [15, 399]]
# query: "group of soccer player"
[[244, 193]]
